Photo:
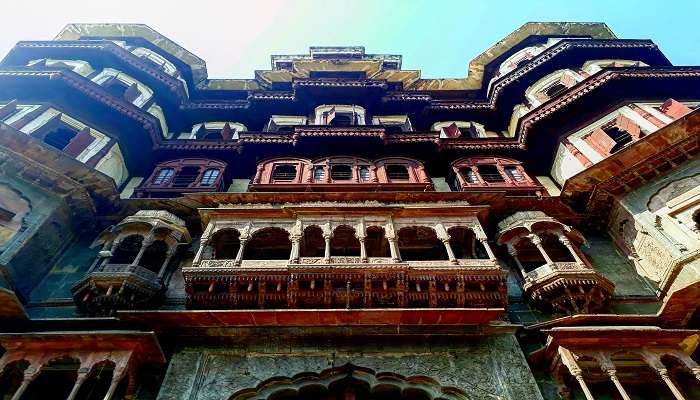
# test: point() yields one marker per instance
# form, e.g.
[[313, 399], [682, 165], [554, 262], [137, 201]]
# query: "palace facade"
[[338, 227]]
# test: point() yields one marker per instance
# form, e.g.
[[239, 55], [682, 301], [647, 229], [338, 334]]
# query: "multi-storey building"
[[340, 228]]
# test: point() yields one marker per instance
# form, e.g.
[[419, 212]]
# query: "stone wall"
[[480, 367]]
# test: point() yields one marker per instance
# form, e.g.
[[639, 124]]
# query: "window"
[[341, 172], [364, 173], [164, 176], [60, 137], [555, 90], [397, 172], [342, 120], [186, 177], [621, 138], [319, 173], [468, 175], [490, 173], [514, 174], [284, 173], [210, 176], [120, 89]]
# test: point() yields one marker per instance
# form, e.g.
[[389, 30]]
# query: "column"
[[164, 267], [663, 373], [450, 253], [538, 243], [294, 254], [241, 247], [394, 249], [363, 249], [568, 359], [608, 367], [484, 242], [514, 253], [566, 242], [203, 243], [82, 376], [327, 250], [28, 378], [144, 244]]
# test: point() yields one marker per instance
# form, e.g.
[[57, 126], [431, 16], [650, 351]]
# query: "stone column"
[[82, 376], [570, 362], [484, 242], [394, 249], [294, 254], [514, 253], [538, 243], [444, 237], [566, 242], [164, 267], [241, 247], [363, 249], [144, 244], [327, 250]]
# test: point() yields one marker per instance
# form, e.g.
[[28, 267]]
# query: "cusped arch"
[[412, 387]]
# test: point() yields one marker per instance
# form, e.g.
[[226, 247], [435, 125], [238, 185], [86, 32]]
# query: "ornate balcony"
[[353, 263], [556, 276], [492, 174], [131, 269]]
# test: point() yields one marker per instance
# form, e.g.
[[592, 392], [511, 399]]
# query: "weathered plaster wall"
[[484, 367], [660, 244], [45, 230]]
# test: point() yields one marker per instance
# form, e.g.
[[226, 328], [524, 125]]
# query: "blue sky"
[[439, 37]]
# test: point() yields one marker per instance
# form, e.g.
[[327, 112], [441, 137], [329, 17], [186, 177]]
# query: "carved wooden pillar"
[[80, 379], [444, 237], [241, 246], [485, 242], [655, 363], [258, 174], [608, 367], [570, 362], [538, 243], [477, 175], [394, 249], [171, 251], [29, 376], [294, 254], [363, 249], [514, 253], [203, 244], [663, 373], [327, 249], [566, 242], [147, 241]]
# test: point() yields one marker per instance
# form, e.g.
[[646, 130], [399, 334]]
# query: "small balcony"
[[556, 275]]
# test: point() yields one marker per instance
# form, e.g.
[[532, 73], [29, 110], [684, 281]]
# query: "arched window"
[[268, 244], [55, 381], [126, 251], [284, 173], [376, 242], [419, 243], [364, 173], [210, 176], [225, 244], [344, 242], [319, 173], [164, 176], [154, 256], [397, 172], [464, 244], [312, 243], [341, 172]]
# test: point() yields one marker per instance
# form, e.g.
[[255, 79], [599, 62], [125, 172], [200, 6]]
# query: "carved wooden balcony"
[[345, 282], [556, 275], [131, 270]]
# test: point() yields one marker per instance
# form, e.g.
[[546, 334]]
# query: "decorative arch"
[[551, 86], [225, 244], [362, 382], [270, 243], [124, 86], [420, 243], [344, 241]]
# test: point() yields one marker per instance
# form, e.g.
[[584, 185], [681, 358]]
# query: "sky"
[[439, 37]]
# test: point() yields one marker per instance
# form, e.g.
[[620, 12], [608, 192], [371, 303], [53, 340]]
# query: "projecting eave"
[[135, 31]]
